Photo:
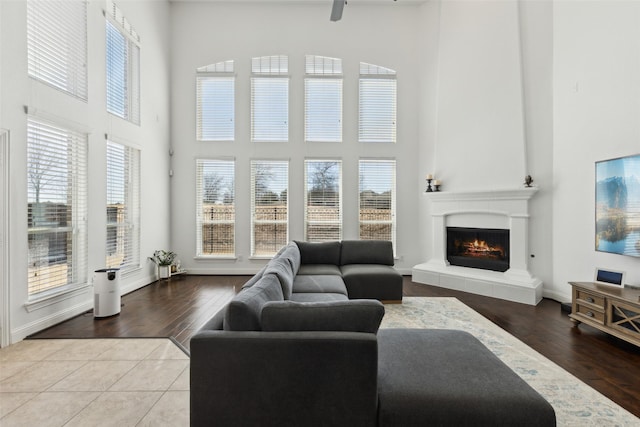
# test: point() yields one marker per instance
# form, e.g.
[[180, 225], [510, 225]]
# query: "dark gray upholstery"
[[292, 254], [254, 279], [281, 267], [319, 253], [319, 270], [449, 378], [365, 280], [243, 312], [348, 316], [318, 297], [319, 283], [366, 252], [283, 379]]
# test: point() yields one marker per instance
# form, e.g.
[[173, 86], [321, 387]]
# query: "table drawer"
[[584, 296], [590, 313]]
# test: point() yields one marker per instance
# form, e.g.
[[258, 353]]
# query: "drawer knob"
[[589, 313], [589, 299]]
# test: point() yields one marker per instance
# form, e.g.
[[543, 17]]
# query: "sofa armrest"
[[283, 378]]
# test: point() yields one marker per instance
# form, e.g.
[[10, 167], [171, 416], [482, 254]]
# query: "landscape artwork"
[[618, 205]]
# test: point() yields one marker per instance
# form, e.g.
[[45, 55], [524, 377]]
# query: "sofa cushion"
[[243, 312], [319, 269], [381, 282], [292, 254], [306, 284], [366, 252], [281, 267], [319, 253], [347, 316], [254, 279], [318, 297]]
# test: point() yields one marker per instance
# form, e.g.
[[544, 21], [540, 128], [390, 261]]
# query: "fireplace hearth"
[[483, 248]]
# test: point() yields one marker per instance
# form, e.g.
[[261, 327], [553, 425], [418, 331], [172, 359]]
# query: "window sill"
[[215, 258], [54, 298]]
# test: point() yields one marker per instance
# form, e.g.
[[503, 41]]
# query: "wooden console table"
[[614, 311]]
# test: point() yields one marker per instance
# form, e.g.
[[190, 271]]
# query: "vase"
[[164, 271]]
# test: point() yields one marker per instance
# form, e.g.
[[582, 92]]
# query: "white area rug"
[[575, 403]]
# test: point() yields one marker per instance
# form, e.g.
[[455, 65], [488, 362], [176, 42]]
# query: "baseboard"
[[38, 325]]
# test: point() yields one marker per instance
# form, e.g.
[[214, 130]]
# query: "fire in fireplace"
[[484, 248]]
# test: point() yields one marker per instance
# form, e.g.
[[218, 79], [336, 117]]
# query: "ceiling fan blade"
[[336, 10]]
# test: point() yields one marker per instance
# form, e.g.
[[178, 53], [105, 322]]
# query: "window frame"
[[338, 222], [392, 164], [64, 153], [324, 72], [127, 230], [218, 73], [370, 115], [269, 79], [201, 221]]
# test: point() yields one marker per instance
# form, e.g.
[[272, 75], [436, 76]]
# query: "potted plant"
[[163, 259]]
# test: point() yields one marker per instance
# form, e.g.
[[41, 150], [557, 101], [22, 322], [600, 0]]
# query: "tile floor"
[[94, 382]]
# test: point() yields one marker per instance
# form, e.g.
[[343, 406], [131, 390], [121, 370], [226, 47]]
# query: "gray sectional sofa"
[[294, 349]]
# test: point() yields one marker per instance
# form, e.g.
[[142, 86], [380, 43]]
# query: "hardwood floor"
[[180, 306]]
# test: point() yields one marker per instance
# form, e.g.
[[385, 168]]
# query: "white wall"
[[596, 117], [205, 33], [151, 20], [487, 108]]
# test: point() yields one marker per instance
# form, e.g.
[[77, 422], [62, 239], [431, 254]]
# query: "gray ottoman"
[[449, 378]]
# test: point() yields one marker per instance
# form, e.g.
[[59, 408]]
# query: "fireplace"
[[484, 248], [505, 254]]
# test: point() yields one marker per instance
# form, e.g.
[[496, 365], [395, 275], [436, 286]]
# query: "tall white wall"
[[596, 117], [486, 106], [205, 33], [151, 20]]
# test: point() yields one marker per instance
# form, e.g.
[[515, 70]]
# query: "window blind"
[[323, 99], [215, 98], [270, 98], [323, 200], [57, 207], [123, 206], [123, 67], [57, 44], [269, 206], [377, 107], [215, 207], [377, 199]]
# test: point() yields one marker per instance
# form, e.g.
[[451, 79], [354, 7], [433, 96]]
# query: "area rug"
[[575, 403]]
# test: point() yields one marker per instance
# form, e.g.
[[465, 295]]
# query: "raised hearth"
[[498, 209]]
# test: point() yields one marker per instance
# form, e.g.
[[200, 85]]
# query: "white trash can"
[[106, 292]]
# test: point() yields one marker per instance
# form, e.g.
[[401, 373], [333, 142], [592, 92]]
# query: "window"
[[377, 104], [215, 210], [57, 44], [270, 98], [215, 97], [323, 200], [323, 99], [123, 67], [269, 206], [377, 200], [123, 206], [57, 207]]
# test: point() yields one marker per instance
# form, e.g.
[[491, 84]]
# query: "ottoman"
[[449, 378]]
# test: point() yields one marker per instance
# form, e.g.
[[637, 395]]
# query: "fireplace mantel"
[[507, 209]]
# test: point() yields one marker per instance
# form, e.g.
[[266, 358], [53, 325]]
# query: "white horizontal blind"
[[270, 98], [123, 66], [269, 206], [215, 98], [323, 200], [57, 44], [123, 206], [323, 99], [377, 109], [377, 199], [215, 207], [57, 207]]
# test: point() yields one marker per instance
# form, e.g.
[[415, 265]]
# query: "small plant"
[[162, 257]]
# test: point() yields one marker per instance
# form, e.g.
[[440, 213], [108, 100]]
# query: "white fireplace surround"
[[506, 209]]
